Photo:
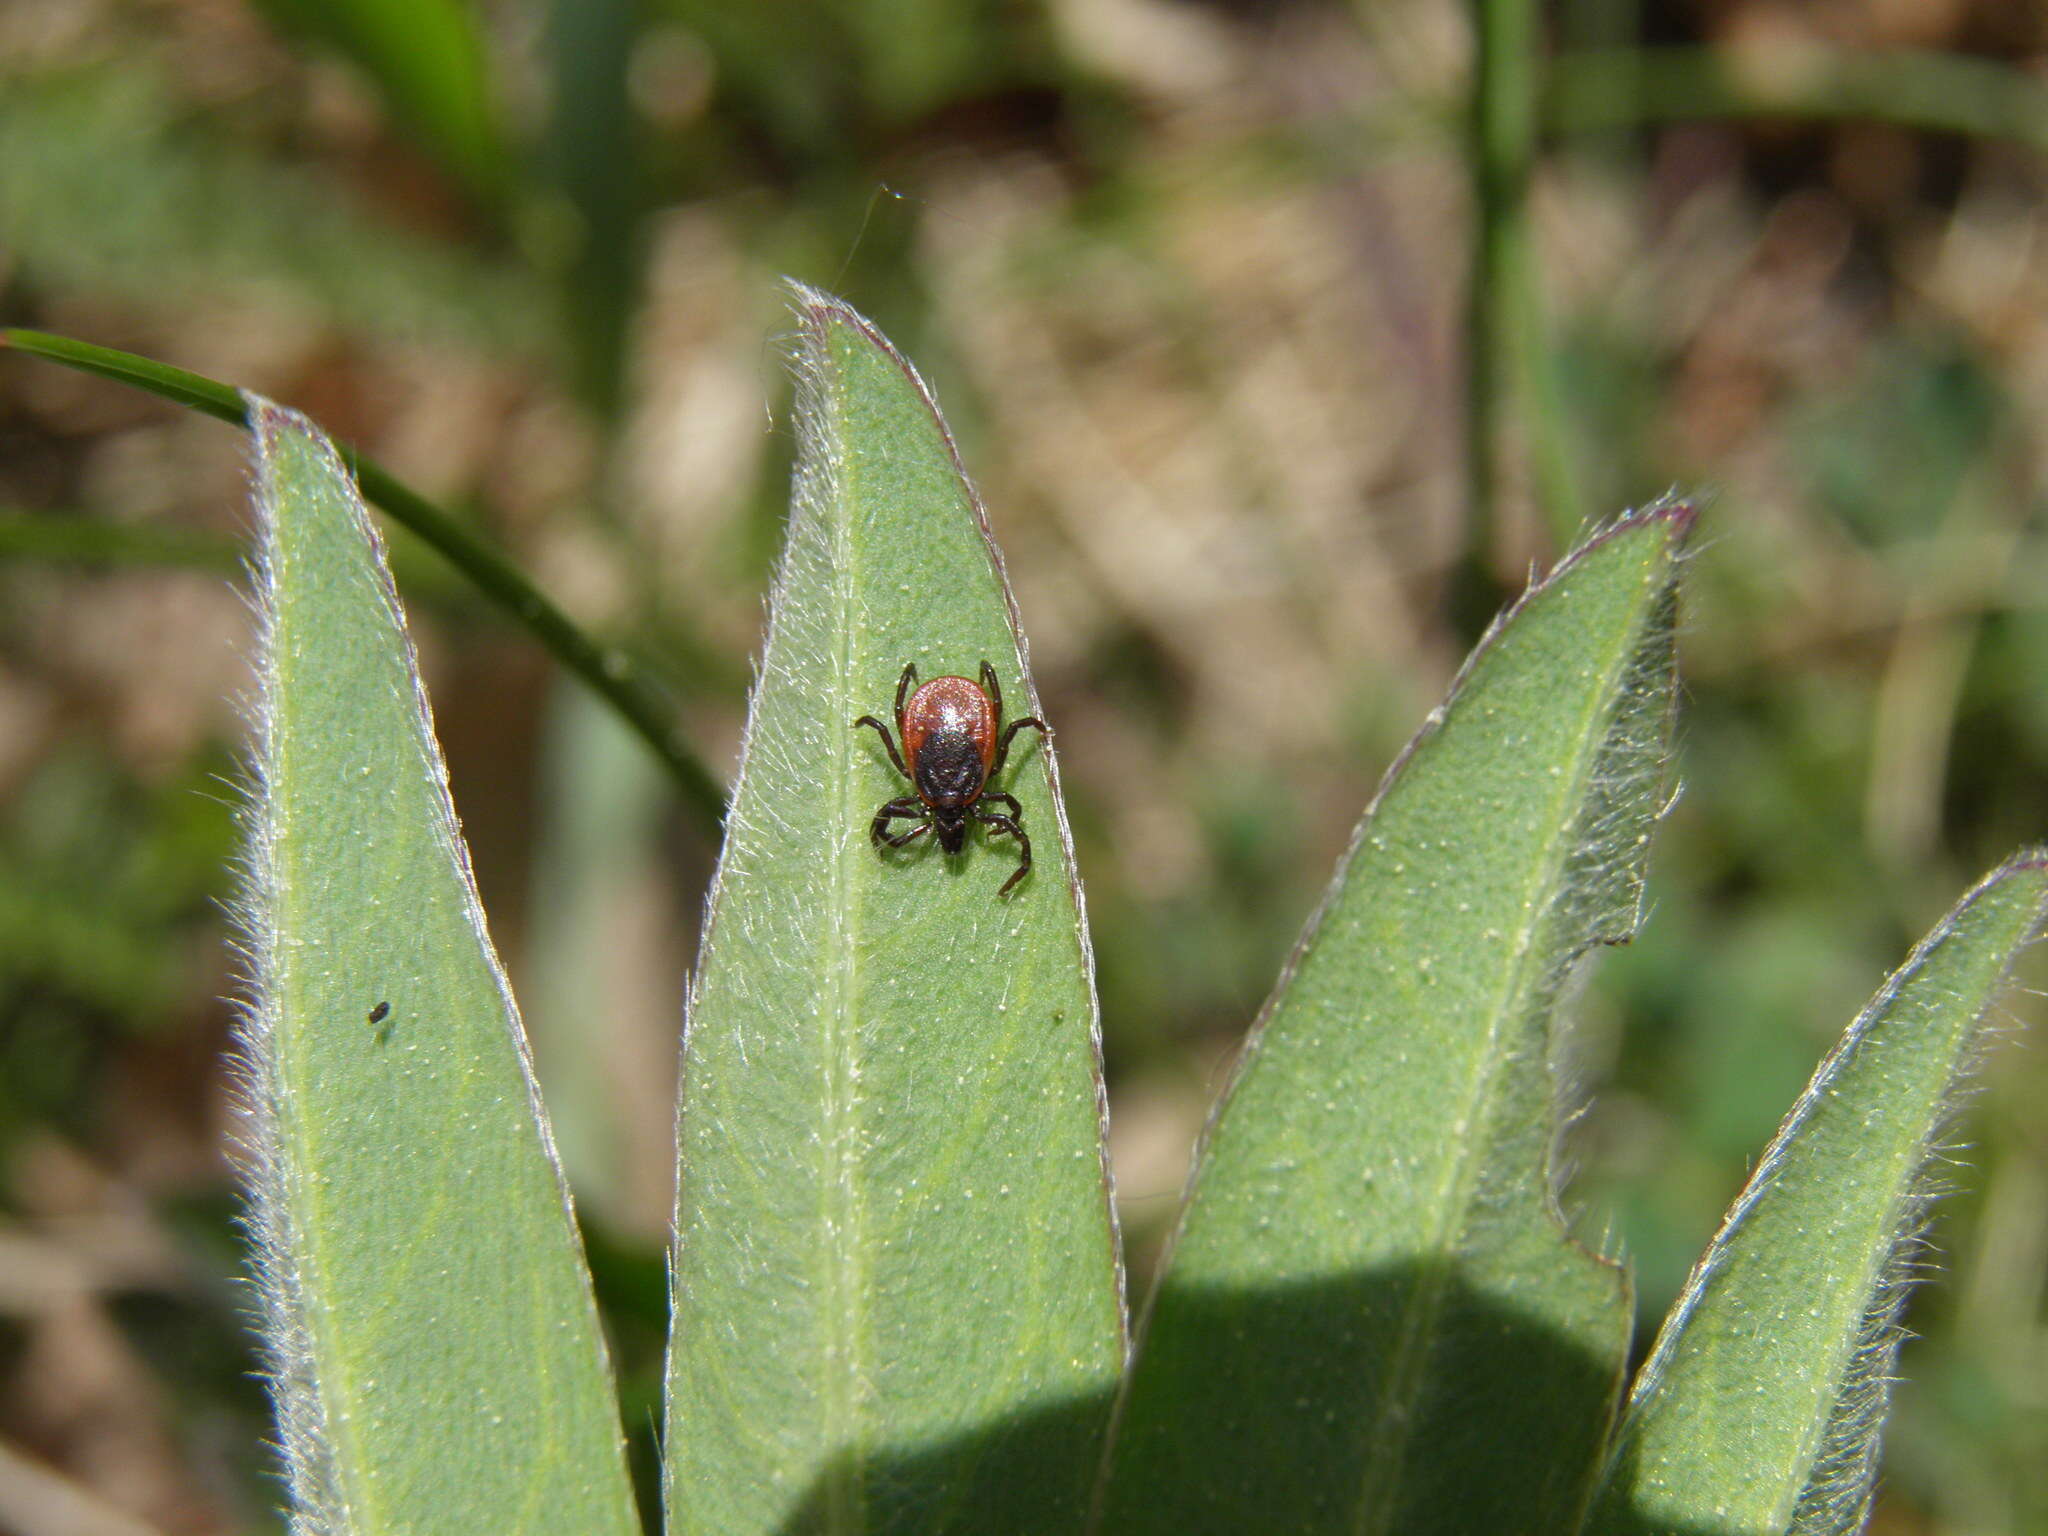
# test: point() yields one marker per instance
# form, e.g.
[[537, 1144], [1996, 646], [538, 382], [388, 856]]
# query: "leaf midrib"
[[1392, 1428], [844, 1219]]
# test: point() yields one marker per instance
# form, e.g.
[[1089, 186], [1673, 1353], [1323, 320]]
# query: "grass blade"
[[428, 58], [435, 1349], [896, 1292], [72, 537], [592, 156], [608, 671], [1600, 90], [1373, 1319], [1760, 1408]]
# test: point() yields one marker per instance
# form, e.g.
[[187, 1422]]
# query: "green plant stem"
[[613, 674], [592, 154], [1501, 128], [1595, 91], [1505, 348]]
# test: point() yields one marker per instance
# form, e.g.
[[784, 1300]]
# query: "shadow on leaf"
[[1265, 1429]]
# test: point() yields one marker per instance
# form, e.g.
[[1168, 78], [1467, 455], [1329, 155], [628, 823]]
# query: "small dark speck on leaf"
[[379, 1013]]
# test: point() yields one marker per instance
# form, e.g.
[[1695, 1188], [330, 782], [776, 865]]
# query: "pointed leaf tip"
[[1374, 1318], [434, 1346], [894, 1243], [1761, 1406]]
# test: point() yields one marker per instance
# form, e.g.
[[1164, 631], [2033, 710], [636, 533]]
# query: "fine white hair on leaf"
[[752, 820], [283, 814], [1843, 1481], [316, 1505], [1837, 1477], [807, 966]]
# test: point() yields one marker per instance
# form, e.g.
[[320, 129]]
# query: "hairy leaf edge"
[[277, 1258], [1679, 513], [813, 490], [1843, 1476]]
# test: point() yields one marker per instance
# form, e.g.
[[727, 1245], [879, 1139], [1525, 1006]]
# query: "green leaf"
[[435, 1349], [1374, 1319], [896, 1291], [1760, 1408]]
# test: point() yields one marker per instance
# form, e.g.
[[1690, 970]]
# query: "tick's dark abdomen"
[[948, 771], [949, 780]]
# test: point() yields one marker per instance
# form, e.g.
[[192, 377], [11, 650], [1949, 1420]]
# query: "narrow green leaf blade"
[[1760, 1409], [1374, 1319], [896, 1293], [428, 58], [435, 1348], [592, 156]]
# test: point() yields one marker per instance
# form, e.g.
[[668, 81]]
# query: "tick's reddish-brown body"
[[954, 742], [948, 731]]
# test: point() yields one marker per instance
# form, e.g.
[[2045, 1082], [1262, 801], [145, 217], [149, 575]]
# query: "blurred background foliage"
[[1190, 276]]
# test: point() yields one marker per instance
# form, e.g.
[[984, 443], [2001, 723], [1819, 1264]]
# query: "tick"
[[954, 742]]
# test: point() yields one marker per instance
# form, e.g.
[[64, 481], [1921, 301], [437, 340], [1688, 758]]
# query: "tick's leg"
[[1009, 824], [888, 741], [994, 690], [1003, 746], [904, 684], [1016, 810], [898, 839], [908, 806]]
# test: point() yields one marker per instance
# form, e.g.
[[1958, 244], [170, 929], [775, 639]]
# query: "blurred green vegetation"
[[1189, 279]]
